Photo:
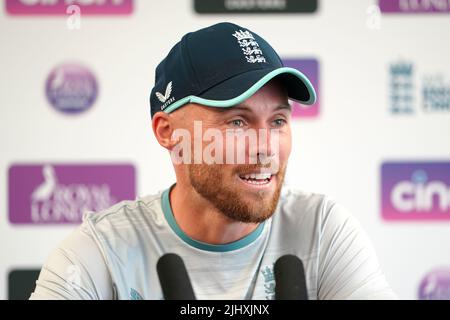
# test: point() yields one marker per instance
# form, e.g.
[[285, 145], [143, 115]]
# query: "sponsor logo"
[[310, 68], [414, 6], [435, 285], [415, 190], [60, 7], [408, 95], [42, 194], [255, 6], [71, 88], [166, 99]]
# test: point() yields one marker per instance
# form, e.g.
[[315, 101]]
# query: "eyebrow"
[[244, 107]]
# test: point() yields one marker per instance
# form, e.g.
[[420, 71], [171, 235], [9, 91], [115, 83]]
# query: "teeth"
[[257, 182], [257, 176], [262, 176]]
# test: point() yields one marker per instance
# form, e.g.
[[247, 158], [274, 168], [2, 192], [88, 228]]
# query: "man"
[[229, 217]]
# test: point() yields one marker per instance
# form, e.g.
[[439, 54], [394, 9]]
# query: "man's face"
[[246, 185]]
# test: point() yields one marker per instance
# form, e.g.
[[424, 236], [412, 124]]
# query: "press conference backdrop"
[[75, 128]]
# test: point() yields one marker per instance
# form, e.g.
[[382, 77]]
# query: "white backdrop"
[[338, 153]]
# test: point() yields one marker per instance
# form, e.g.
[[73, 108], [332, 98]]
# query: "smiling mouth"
[[257, 178]]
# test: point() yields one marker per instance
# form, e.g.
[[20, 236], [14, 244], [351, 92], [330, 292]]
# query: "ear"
[[163, 128]]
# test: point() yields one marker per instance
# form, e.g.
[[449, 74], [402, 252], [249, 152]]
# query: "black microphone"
[[174, 278], [290, 283]]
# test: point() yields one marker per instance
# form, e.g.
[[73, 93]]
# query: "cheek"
[[285, 146]]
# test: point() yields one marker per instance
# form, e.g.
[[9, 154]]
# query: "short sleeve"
[[75, 270], [348, 266]]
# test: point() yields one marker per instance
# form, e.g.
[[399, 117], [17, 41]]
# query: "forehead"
[[270, 98], [204, 112]]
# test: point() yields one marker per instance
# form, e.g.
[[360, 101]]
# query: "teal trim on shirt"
[[168, 213]]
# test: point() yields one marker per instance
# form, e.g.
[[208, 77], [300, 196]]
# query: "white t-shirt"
[[113, 254]]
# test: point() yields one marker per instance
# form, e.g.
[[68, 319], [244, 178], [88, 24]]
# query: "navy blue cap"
[[222, 66]]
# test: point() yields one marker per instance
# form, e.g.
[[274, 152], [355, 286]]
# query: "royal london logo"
[[166, 99], [53, 193], [249, 46]]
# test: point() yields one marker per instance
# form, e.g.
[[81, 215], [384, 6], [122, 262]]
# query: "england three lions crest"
[[250, 47]]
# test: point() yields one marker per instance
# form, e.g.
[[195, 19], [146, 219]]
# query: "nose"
[[267, 148]]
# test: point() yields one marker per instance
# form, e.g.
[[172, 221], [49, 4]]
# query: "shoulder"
[[292, 198], [125, 212], [306, 204], [313, 210], [76, 269], [125, 224]]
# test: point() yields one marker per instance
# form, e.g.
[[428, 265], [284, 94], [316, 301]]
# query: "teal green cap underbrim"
[[249, 92]]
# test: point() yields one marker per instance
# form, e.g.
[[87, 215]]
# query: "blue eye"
[[279, 122], [237, 123]]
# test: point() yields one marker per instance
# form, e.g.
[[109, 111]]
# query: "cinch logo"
[[62, 193], [415, 191], [414, 6], [59, 7], [71, 88], [310, 68], [435, 285]]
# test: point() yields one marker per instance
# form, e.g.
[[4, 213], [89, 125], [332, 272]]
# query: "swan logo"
[[71, 88], [59, 7], [415, 191], [435, 285], [63, 193]]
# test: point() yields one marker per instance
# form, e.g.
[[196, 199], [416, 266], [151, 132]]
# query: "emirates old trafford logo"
[[165, 98], [249, 46]]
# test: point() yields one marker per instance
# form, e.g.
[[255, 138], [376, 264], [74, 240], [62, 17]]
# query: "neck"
[[201, 221]]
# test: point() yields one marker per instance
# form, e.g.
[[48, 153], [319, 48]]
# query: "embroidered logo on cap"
[[249, 46], [165, 98]]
